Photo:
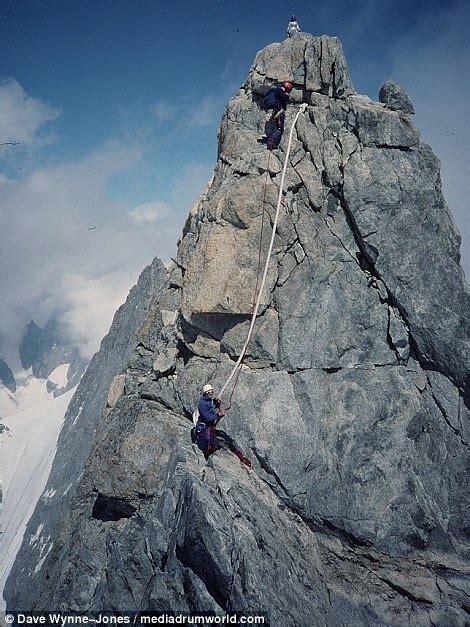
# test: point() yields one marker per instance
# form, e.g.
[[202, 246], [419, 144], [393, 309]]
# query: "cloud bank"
[[66, 245], [21, 116]]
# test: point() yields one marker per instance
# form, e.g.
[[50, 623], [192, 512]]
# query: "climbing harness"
[[237, 367]]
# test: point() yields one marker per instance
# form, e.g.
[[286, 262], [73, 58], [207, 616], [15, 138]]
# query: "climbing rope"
[[260, 250], [258, 268], [237, 365]]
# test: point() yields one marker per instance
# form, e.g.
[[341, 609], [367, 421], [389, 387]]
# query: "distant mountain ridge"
[[6, 376], [45, 349]]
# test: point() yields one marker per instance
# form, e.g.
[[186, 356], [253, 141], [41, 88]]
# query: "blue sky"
[[116, 103]]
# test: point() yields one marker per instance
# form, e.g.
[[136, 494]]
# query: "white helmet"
[[207, 388]]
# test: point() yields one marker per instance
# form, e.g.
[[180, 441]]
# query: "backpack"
[[200, 434], [270, 100], [262, 90], [202, 437]]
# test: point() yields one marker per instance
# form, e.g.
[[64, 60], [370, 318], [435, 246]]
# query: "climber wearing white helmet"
[[205, 435], [209, 406], [210, 412]]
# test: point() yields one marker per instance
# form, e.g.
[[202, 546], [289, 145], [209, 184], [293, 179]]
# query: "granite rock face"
[[353, 401]]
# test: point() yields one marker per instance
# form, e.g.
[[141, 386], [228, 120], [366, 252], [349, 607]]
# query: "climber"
[[276, 99], [210, 412], [293, 27]]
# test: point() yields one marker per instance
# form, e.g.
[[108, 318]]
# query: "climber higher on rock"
[[276, 100], [293, 27]]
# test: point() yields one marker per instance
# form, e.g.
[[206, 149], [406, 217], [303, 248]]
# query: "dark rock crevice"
[[391, 343], [210, 583], [389, 147], [341, 242], [406, 593], [265, 465], [317, 524], [194, 553], [367, 266], [110, 508], [370, 259]]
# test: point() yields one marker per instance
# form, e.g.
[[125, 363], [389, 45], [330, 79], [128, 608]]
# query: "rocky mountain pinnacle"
[[395, 97], [353, 400], [6, 376], [43, 350]]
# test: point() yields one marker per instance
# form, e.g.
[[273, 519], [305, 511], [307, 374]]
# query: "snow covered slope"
[[32, 418]]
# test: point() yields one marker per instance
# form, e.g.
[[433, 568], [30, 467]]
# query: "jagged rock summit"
[[352, 401], [6, 376], [395, 97]]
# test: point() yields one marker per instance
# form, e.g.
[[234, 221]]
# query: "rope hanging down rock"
[[268, 257]]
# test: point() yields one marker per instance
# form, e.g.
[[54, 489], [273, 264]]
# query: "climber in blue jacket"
[[210, 412], [277, 99]]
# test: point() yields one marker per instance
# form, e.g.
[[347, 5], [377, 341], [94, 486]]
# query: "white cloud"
[[163, 111], [90, 305], [21, 116], [206, 112], [63, 239], [150, 212], [68, 247]]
